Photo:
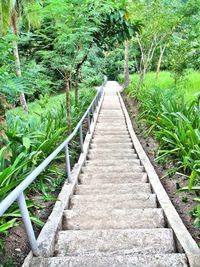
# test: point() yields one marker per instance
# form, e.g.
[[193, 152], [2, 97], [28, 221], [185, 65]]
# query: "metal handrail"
[[18, 193]]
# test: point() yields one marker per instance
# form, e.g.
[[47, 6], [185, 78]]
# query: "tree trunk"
[[17, 60], [143, 71], [126, 65], [67, 77], [162, 50], [78, 70], [77, 86]]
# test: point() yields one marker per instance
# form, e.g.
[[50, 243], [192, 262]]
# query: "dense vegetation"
[[52, 55], [171, 113], [54, 52], [169, 100]]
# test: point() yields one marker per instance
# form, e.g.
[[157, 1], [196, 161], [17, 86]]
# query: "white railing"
[[18, 193]]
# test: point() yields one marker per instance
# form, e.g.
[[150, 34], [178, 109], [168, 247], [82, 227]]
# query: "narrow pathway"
[[113, 218]]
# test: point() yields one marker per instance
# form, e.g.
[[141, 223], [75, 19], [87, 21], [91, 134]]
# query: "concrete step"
[[111, 132], [108, 106], [118, 146], [113, 114], [111, 156], [109, 163], [109, 151], [110, 135], [111, 99], [110, 142], [121, 242], [113, 178], [110, 128], [84, 219], [116, 129], [93, 156], [112, 139], [110, 109], [136, 260], [114, 151], [123, 201], [110, 169], [117, 118], [111, 117], [101, 138], [113, 189], [111, 124]]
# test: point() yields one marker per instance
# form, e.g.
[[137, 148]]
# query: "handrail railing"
[[18, 193]]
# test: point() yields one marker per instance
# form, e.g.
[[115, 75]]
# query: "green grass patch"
[[44, 104], [188, 87]]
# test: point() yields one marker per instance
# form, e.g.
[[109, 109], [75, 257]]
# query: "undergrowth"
[[173, 118], [28, 140]]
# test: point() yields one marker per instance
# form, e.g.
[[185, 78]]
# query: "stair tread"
[[113, 219], [116, 241], [111, 141], [112, 197], [113, 145], [108, 156], [137, 260], [113, 177], [103, 170], [112, 188], [108, 162], [114, 201], [112, 151]]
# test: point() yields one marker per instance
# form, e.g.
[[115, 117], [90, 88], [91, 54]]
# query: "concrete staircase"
[[113, 218]]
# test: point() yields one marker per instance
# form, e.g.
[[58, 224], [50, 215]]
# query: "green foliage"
[[30, 139], [188, 87], [175, 123]]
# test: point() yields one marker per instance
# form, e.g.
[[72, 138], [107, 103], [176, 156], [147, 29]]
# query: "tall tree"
[[10, 13], [126, 64], [156, 31], [72, 42]]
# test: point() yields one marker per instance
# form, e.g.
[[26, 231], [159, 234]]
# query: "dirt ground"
[[16, 244], [183, 202]]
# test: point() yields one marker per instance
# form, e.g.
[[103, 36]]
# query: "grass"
[[189, 86], [44, 104]]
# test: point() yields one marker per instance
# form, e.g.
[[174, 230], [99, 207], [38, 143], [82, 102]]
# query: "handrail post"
[[88, 119], [27, 223], [67, 160], [81, 137], [95, 105], [93, 111]]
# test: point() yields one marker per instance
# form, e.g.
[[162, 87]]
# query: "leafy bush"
[[30, 139], [175, 123]]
